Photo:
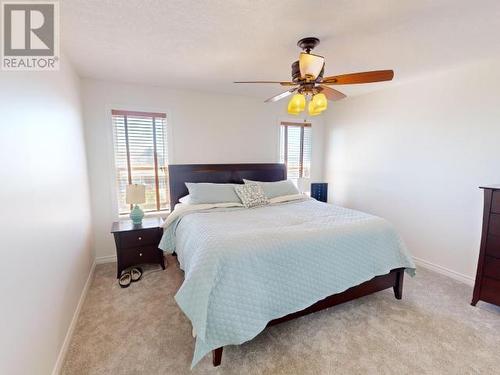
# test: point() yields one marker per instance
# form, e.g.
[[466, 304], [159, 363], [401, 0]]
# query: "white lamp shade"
[[310, 65], [135, 194], [304, 184]]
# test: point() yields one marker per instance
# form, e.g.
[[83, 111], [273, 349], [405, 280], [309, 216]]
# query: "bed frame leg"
[[398, 286], [217, 356]]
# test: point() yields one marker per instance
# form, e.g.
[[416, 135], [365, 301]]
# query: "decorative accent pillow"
[[251, 195], [276, 188]]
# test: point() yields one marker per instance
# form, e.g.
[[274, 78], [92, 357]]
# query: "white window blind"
[[141, 157], [295, 149]]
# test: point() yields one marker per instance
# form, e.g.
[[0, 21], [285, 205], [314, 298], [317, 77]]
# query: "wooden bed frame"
[[235, 173]]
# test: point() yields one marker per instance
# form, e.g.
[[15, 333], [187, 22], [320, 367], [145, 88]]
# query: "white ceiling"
[[205, 45]]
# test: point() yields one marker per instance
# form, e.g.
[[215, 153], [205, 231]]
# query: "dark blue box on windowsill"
[[319, 191]]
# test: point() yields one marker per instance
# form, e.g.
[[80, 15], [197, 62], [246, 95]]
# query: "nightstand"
[[137, 244]]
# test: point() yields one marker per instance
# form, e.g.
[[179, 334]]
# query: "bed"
[[246, 269]]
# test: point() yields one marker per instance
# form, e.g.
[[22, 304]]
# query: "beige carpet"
[[433, 330]]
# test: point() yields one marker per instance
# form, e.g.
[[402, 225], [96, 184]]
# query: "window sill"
[[162, 214]]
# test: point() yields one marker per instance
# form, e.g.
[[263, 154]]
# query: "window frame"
[[302, 125], [111, 112]]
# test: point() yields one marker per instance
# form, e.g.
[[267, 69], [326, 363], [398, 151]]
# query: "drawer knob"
[[139, 238], [140, 254]]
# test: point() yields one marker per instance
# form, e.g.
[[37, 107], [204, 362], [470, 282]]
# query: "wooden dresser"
[[487, 286]]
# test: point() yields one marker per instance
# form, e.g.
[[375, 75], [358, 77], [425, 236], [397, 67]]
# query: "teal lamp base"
[[136, 215]]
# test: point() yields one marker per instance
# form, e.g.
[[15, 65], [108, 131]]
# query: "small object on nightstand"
[[137, 244], [319, 191], [136, 194]]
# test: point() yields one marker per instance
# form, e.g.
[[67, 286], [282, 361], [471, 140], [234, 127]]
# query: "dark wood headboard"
[[219, 173]]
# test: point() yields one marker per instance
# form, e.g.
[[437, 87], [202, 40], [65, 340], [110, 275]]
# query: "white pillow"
[[185, 199], [206, 192], [276, 188]]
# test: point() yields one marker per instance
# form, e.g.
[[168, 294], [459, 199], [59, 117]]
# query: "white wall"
[[416, 154], [45, 221], [203, 128]]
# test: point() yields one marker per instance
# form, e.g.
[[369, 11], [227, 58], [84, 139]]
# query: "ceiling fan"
[[308, 82]]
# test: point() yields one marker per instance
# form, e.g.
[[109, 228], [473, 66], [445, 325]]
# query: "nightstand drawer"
[[139, 238], [146, 254]]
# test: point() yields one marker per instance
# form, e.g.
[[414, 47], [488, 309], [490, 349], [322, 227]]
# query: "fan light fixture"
[[316, 105], [308, 84], [310, 65], [313, 111], [320, 102], [297, 104]]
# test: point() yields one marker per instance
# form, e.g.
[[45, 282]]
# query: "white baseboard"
[[444, 271], [106, 259], [72, 325]]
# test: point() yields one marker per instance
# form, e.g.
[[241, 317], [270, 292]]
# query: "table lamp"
[[136, 194]]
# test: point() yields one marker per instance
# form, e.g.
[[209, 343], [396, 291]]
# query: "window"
[[295, 149], [141, 157]]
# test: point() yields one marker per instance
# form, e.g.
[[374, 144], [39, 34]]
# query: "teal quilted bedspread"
[[245, 267]]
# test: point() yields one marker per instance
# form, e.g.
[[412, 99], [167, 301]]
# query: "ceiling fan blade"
[[282, 83], [332, 94], [280, 96], [362, 77]]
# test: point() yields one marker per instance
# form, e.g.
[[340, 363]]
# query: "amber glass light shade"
[[296, 104], [313, 111], [317, 105], [320, 102]]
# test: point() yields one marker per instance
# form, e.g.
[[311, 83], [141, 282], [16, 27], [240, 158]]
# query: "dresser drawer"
[[140, 255], [139, 238], [493, 246], [494, 226], [495, 202], [490, 290], [491, 267]]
